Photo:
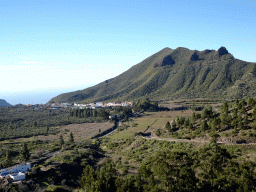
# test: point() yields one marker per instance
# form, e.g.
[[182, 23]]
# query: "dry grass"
[[153, 119], [80, 131]]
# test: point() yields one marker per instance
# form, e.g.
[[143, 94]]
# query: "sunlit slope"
[[175, 73]]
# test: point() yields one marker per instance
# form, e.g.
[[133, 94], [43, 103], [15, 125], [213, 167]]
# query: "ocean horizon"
[[36, 97]]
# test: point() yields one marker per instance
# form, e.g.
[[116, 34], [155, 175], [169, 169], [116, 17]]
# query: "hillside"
[[3, 103], [180, 73]]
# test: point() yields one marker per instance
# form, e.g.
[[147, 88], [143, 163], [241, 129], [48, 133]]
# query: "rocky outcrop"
[[194, 57], [222, 51], [207, 51], [167, 60]]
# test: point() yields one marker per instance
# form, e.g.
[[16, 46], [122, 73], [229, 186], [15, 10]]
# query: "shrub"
[[158, 132]]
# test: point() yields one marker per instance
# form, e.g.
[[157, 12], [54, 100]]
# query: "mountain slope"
[[175, 73], [3, 103]]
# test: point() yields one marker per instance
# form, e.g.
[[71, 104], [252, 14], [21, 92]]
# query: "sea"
[[35, 97]]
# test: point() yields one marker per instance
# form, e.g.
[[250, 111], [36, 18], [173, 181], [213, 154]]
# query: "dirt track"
[[195, 141]]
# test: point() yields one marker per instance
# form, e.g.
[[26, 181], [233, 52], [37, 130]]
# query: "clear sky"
[[55, 46]]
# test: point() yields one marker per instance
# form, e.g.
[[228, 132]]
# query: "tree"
[[71, 138], [168, 126], [193, 117], [186, 122], [242, 110], [234, 112], [47, 129], [191, 127], [158, 132], [204, 126], [251, 101], [61, 140], [207, 112], [8, 158], [174, 170], [24, 153], [254, 113], [174, 126], [126, 118], [237, 102], [212, 162], [224, 116], [215, 123]]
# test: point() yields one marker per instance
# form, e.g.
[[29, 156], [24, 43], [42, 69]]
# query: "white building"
[[66, 104], [18, 176], [17, 171]]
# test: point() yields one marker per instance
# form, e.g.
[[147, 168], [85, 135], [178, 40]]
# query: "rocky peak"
[[167, 60], [194, 57], [222, 51]]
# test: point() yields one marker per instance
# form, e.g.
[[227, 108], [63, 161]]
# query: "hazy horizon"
[[37, 97]]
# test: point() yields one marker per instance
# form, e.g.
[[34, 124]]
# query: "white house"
[[16, 170], [99, 104], [66, 104], [18, 176]]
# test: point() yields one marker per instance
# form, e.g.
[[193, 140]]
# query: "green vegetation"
[[232, 123], [130, 160], [173, 74], [170, 166], [24, 153], [24, 121]]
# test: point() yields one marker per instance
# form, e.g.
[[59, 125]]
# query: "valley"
[[137, 145]]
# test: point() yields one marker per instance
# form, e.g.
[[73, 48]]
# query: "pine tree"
[[234, 112], [186, 122], [254, 113], [191, 127], [71, 138], [204, 126], [224, 116], [242, 110], [47, 129], [174, 125], [61, 140], [193, 118], [237, 102], [251, 101], [24, 153], [168, 126], [8, 159]]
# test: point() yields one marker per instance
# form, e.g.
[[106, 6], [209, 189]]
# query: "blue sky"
[[55, 46]]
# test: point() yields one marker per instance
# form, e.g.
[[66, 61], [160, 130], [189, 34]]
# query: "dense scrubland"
[[126, 161]]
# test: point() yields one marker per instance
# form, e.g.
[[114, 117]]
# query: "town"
[[55, 106]]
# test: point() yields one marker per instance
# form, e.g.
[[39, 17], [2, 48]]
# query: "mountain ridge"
[[3, 103], [175, 73]]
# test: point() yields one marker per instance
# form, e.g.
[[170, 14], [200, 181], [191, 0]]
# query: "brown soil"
[[80, 131]]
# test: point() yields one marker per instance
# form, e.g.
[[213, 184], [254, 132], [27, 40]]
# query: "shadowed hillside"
[[181, 73], [3, 103]]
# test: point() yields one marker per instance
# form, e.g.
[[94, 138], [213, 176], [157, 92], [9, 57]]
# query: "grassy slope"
[[209, 76]]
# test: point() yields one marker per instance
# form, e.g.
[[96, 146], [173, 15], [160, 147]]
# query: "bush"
[[112, 145], [134, 124], [56, 188], [158, 132]]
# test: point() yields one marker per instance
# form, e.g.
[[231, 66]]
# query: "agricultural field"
[[150, 121], [80, 131]]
